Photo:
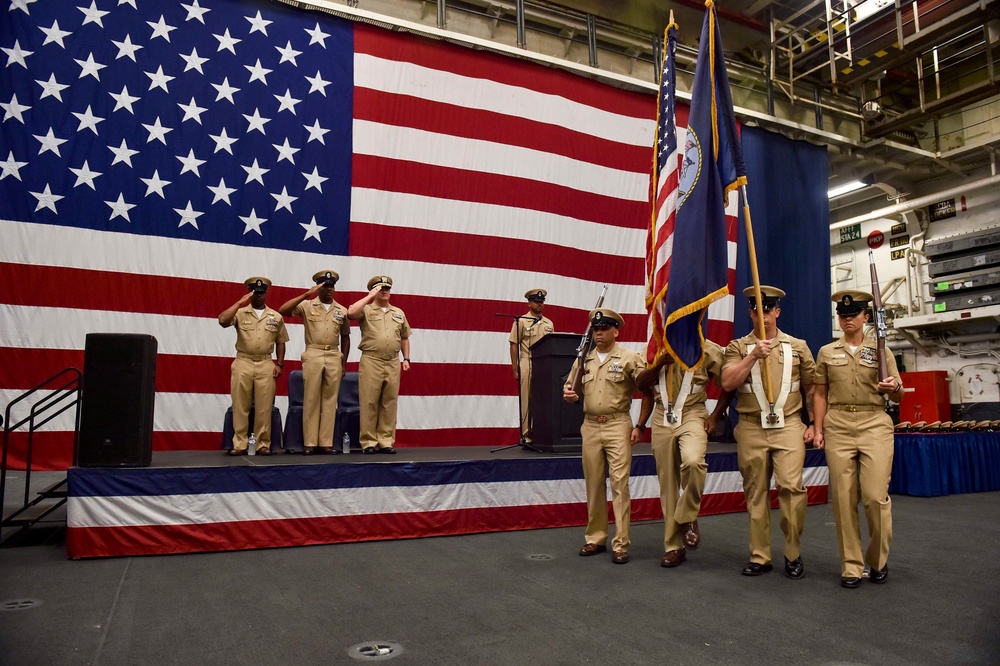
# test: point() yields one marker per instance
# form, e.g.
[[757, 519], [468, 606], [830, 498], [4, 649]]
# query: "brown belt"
[[323, 347], [858, 408], [253, 357], [604, 418], [384, 357]]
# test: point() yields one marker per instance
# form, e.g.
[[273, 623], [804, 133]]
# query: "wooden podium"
[[555, 424]]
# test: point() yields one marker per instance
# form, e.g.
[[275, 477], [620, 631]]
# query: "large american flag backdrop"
[[155, 154]]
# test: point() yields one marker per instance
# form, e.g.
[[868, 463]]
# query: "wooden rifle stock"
[[881, 328], [586, 344]]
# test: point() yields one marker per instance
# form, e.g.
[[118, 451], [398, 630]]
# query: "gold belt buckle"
[[326, 347], [601, 419], [851, 408]]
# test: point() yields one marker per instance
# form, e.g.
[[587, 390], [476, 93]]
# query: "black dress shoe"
[[328, 450], [369, 450], [850, 582], [879, 575], [388, 450], [309, 450], [756, 569], [794, 569]]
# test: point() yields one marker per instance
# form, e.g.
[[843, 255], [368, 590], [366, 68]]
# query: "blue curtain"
[[787, 186]]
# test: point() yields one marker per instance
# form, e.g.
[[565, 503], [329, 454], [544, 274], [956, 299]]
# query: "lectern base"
[[564, 445]]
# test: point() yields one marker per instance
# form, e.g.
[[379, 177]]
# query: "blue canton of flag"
[[711, 170], [220, 121]]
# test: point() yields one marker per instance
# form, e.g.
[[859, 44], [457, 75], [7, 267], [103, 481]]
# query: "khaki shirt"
[[257, 336], [803, 370], [712, 366], [608, 387], [531, 332], [382, 332], [852, 378], [323, 327]]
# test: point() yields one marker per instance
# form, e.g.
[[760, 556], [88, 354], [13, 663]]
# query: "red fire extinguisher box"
[[926, 397]]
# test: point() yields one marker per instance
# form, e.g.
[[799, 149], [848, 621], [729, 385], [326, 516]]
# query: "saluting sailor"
[[771, 436], [384, 334], [328, 341], [259, 331], [852, 424]]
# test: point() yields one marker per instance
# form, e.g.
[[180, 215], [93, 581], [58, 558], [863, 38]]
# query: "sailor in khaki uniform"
[[384, 333], [609, 374], [852, 425], [771, 437], [526, 331], [328, 341], [259, 331], [681, 426]]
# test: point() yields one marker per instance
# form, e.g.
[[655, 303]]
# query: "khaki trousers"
[[378, 389], [606, 446], [322, 371], [525, 389], [859, 449], [679, 451], [252, 380], [782, 452]]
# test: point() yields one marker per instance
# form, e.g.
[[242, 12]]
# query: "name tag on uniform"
[[841, 355]]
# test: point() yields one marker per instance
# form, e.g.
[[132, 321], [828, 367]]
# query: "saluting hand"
[[246, 298]]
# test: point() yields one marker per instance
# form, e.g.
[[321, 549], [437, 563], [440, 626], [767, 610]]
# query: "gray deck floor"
[[518, 598]]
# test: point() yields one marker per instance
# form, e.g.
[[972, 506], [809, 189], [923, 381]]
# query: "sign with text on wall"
[[851, 233], [898, 254], [942, 210]]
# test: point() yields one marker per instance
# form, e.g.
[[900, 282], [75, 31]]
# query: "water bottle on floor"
[[252, 445], [347, 443]]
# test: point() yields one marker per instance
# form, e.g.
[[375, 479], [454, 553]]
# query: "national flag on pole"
[[690, 205]]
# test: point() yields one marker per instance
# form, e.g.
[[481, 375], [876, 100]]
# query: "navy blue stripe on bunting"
[[87, 482]]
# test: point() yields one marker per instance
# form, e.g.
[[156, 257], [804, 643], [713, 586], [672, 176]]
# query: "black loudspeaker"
[[119, 386], [555, 424]]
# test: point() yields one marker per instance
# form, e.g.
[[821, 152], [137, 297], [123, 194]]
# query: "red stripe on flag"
[[379, 173], [449, 119], [455, 248], [508, 71]]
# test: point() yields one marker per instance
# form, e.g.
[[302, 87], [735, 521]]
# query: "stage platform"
[[196, 501]]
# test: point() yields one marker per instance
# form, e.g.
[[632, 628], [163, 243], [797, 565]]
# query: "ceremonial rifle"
[[586, 344], [881, 329]]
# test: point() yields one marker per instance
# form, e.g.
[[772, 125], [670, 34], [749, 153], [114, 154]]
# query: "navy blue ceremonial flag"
[[711, 170]]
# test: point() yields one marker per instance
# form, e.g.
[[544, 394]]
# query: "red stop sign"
[[875, 239]]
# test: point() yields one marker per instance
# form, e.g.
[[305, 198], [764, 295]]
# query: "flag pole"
[[759, 330]]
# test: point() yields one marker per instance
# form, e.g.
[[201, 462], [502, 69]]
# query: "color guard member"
[[681, 426], [259, 331], [609, 374], [384, 333], [852, 424], [323, 362], [771, 436], [526, 331]]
